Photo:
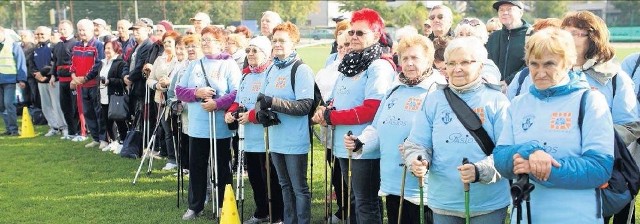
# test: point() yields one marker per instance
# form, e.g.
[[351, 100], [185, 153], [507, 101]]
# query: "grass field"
[[47, 180]]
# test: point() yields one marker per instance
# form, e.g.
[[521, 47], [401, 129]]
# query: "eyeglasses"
[[281, 41], [39, 34], [344, 45], [207, 40], [464, 63], [471, 22], [191, 47], [579, 34], [251, 50], [357, 33], [189, 33], [168, 42], [440, 16]]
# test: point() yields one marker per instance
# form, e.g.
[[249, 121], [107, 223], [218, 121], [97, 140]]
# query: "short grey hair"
[[405, 31], [273, 15], [45, 29], [479, 31], [86, 23], [471, 44]]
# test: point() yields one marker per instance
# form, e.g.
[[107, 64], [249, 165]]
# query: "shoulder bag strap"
[[470, 121]]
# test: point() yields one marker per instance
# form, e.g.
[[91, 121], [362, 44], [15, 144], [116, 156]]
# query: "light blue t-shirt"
[[350, 92], [291, 136], [553, 123], [247, 94], [224, 76], [624, 107], [628, 65], [437, 127]]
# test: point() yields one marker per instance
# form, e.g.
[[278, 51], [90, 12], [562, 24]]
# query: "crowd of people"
[[439, 123]]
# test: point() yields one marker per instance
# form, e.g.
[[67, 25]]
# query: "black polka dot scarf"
[[356, 62]]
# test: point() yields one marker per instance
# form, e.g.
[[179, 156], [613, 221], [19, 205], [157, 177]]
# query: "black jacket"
[[506, 49], [62, 57], [116, 82], [135, 76]]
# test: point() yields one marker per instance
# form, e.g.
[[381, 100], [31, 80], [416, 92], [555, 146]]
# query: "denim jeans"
[[92, 111], [292, 173], [365, 184], [8, 107], [497, 216]]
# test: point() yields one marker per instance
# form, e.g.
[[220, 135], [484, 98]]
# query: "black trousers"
[[410, 211], [621, 217], [69, 107], [257, 171], [198, 164], [339, 186], [121, 125]]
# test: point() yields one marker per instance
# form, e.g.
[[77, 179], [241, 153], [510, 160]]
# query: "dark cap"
[[142, 22], [497, 4]]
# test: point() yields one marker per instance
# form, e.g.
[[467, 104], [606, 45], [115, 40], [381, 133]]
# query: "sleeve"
[[594, 166], [31, 64], [152, 79], [54, 62], [183, 92], [624, 107], [97, 64], [304, 91], [419, 141], [487, 171], [115, 80], [171, 92], [505, 148], [629, 63], [369, 137], [234, 76], [380, 76], [513, 86], [21, 63], [224, 102]]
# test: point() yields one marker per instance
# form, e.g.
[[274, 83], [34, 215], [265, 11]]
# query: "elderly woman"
[[111, 83], [523, 79], [473, 27], [595, 58], [355, 99], [254, 76], [269, 21], [325, 79], [187, 51], [341, 27], [440, 138], [282, 107], [235, 45], [208, 86], [402, 102], [565, 159], [159, 81]]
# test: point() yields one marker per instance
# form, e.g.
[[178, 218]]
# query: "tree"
[[481, 9], [412, 13], [627, 16], [549, 9], [294, 11], [379, 6]]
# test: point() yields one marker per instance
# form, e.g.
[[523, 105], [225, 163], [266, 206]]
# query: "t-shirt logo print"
[[527, 122], [446, 117], [256, 87], [560, 121], [281, 82], [412, 104]]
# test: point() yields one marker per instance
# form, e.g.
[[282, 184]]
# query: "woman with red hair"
[[355, 99]]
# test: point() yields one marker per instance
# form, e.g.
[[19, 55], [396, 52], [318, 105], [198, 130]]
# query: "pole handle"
[[466, 185]]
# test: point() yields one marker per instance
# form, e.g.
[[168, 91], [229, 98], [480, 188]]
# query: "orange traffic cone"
[[229, 208], [27, 126]]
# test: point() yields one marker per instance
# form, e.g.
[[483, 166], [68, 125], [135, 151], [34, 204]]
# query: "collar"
[[575, 82]]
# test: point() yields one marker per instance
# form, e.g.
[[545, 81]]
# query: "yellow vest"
[[7, 63]]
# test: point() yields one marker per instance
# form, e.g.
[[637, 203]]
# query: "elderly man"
[[269, 21], [85, 67], [39, 65], [200, 21], [426, 28], [100, 30], [31, 93], [127, 42], [506, 46], [13, 69], [61, 60], [441, 19]]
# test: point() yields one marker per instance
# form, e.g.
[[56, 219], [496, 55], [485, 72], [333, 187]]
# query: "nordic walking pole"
[[268, 165], [467, 214], [349, 133], [421, 183], [240, 179], [327, 210], [404, 176]]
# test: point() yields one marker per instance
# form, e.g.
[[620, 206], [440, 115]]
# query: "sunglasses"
[[357, 33], [440, 16], [345, 45], [251, 50], [471, 22], [189, 33]]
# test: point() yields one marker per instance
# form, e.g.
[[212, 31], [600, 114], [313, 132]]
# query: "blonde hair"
[[412, 40], [240, 40], [551, 40], [340, 26]]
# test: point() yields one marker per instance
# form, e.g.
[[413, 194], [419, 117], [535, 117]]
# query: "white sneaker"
[[169, 166], [65, 134], [104, 146], [117, 148], [92, 144], [79, 138], [254, 220], [51, 132]]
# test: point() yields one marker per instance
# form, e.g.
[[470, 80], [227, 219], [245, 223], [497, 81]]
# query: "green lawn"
[[47, 180]]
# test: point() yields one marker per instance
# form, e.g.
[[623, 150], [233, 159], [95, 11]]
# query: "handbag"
[[118, 106]]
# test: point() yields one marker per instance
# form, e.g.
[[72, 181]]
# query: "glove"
[[267, 118], [263, 102], [326, 115], [359, 145]]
